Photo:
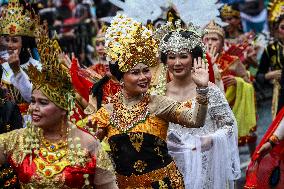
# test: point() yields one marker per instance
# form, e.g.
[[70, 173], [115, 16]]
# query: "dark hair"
[[114, 70], [97, 90], [281, 96], [196, 52], [1, 71], [28, 44]]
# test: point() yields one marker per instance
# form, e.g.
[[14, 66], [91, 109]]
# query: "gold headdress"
[[18, 21], [212, 27], [101, 33], [276, 9], [54, 79], [176, 42], [130, 43], [228, 11]]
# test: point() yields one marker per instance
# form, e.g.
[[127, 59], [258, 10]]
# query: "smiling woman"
[[136, 122], [51, 152]]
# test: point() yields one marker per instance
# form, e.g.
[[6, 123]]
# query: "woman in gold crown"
[[17, 29], [52, 152], [136, 122]]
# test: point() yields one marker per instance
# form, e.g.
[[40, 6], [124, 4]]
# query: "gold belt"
[[145, 180]]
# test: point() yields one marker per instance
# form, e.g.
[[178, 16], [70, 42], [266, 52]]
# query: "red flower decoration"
[[47, 172], [12, 29]]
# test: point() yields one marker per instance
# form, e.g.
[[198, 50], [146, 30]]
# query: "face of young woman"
[[233, 23], [13, 43], [179, 64], [137, 80], [45, 114], [213, 40], [100, 48], [281, 29]]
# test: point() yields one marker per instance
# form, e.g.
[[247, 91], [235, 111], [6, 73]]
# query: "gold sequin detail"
[[145, 180], [136, 140], [153, 125], [140, 166]]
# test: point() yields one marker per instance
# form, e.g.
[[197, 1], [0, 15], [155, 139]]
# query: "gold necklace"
[[125, 118], [50, 160]]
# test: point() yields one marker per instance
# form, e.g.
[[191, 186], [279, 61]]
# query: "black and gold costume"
[[139, 148]]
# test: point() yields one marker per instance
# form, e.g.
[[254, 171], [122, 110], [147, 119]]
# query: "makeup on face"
[[137, 80]]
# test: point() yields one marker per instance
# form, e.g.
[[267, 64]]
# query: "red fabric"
[[99, 69], [210, 68], [72, 176], [260, 168], [237, 50], [80, 83], [78, 115], [109, 90], [23, 107]]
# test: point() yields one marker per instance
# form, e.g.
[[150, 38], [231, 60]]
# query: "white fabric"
[[20, 80], [214, 164]]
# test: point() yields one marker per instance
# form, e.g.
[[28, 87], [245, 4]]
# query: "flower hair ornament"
[[128, 43]]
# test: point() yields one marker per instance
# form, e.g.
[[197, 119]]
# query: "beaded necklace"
[[125, 118]]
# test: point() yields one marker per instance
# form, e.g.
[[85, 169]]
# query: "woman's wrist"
[[273, 140], [202, 93]]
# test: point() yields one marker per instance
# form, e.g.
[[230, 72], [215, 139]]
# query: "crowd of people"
[[129, 94]]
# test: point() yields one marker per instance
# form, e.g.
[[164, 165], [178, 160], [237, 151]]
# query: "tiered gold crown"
[[130, 43], [276, 9], [18, 21], [54, 79], [212, 27], [228, 11], [176, 42]]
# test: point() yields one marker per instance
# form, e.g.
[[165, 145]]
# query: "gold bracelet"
[[274, 139]]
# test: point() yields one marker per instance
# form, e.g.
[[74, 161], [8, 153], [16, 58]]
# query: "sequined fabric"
[[30, 176]]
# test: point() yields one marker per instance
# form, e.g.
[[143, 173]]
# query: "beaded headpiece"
[[276, 9], [213, 27], [54, 79], [228, 11], [130, 43], [17, 20], [176, 42]]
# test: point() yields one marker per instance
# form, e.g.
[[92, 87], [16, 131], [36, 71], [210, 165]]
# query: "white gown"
[[217, 164]]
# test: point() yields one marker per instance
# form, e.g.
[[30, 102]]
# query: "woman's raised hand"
[[200, 74]]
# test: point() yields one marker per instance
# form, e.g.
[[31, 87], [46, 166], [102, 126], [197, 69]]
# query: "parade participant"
[[231, 15], [10, 119], [17, 28], [266, 167], [272, 58], [136, 122], [239, 90], [52, 152], [199, 153]]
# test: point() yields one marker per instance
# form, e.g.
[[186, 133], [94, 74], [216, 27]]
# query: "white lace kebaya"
[[208, 157]]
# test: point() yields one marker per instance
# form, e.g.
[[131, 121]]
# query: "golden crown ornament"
[[128, 43], [17, 20], [276, 9], [213, 27], [54, 79], [228, 11]]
